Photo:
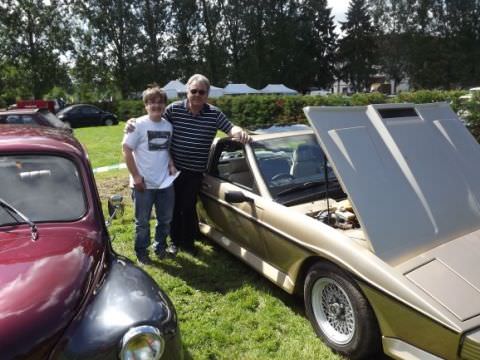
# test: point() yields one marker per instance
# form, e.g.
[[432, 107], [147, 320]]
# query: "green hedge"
[[253, 111]]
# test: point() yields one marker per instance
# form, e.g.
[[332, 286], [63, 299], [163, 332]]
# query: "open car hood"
[[412, 173]]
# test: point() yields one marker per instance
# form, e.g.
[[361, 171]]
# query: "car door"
[[75, 117], [230, 174], [91, 115]]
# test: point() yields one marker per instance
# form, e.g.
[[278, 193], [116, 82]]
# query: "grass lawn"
[[103, 143], [226, 310]]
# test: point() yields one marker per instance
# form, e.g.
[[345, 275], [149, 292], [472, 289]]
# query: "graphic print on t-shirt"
[[158, 140]]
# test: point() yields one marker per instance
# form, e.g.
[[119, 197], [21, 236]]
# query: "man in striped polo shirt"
[[195, 124]]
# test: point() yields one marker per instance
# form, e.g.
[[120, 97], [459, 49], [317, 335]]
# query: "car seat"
[[307, 160]]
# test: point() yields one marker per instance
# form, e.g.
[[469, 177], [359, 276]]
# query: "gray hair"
[[200, 79]]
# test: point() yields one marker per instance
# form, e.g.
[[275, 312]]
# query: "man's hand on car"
[[237, 133]]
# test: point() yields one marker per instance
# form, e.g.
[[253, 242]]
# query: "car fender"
[[126, 297]]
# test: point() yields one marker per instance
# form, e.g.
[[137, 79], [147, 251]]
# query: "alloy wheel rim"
[[333, 311]]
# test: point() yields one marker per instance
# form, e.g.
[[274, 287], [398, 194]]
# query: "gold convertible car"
[[372, 215]]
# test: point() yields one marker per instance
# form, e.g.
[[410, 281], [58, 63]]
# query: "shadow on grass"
[[214, 269]]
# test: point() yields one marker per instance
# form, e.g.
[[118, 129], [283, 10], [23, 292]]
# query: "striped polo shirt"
[[193, 134]]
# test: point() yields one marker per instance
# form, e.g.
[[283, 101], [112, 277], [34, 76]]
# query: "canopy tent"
[[215, 92], [175, 87], [171, 93], [278, 89], [239, 89]]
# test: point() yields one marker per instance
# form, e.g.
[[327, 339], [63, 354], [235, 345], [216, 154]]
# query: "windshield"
[[292, 164], [44, 188]]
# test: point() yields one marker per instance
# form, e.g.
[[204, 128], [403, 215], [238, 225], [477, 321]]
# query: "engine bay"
[[339, 214]]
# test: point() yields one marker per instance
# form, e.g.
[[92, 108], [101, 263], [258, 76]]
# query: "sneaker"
[[172, 250], [160, 254], [144, 259]]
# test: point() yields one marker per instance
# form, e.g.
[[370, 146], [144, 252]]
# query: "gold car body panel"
[[407, 170], [398, 321], [406, 306]]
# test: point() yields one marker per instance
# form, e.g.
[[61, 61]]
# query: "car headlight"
[[142, 343]]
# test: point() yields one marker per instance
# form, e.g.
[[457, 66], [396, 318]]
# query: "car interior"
[[45, 188], [16, 119]]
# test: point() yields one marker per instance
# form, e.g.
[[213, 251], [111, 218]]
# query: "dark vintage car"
[[64, 293], [33, 117], [372, 216], [80, 115]]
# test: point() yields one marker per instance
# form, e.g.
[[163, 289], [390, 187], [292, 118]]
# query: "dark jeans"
[[143, 202], [185, 220]]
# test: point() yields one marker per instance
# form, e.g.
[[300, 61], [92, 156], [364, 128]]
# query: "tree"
[[34, 34], [315, 46], [111, 28], [184, 58], [234, 33], [393, 21], [154, 18], [357, 51], [461, 32], [211, 44], [92, 75]]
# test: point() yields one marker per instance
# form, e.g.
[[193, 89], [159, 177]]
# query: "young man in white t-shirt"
[[147, 154]]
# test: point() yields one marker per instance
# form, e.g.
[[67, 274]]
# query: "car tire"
[[108, 122], [340, 313]]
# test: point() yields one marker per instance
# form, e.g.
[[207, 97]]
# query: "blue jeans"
[[163, 200]]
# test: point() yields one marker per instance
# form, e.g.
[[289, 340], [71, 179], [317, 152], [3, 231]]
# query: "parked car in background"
[[320, 92], [32, 116], [373, 217], [86, 115], [64, 293]]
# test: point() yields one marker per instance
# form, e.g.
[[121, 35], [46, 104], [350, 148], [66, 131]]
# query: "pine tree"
[[357, 52]]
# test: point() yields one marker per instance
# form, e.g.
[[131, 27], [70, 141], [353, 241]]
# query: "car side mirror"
[[115, 207], [237, 197]]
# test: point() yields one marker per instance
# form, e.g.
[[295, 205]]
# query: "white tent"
[[215, 92], [239, 89], [175, 87], [171, 93], [278, 89]]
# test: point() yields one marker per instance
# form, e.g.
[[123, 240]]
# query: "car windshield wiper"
[[305, 185], [12, 211]]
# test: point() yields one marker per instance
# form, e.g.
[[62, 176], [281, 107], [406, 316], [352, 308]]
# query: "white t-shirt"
[[150, 143]]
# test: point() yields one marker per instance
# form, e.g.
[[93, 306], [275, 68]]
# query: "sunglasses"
[[199, 91]]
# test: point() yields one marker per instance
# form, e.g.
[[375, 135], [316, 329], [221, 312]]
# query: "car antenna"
[[326, 187]]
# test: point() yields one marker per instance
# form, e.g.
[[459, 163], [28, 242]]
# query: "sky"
[[339, 8]]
